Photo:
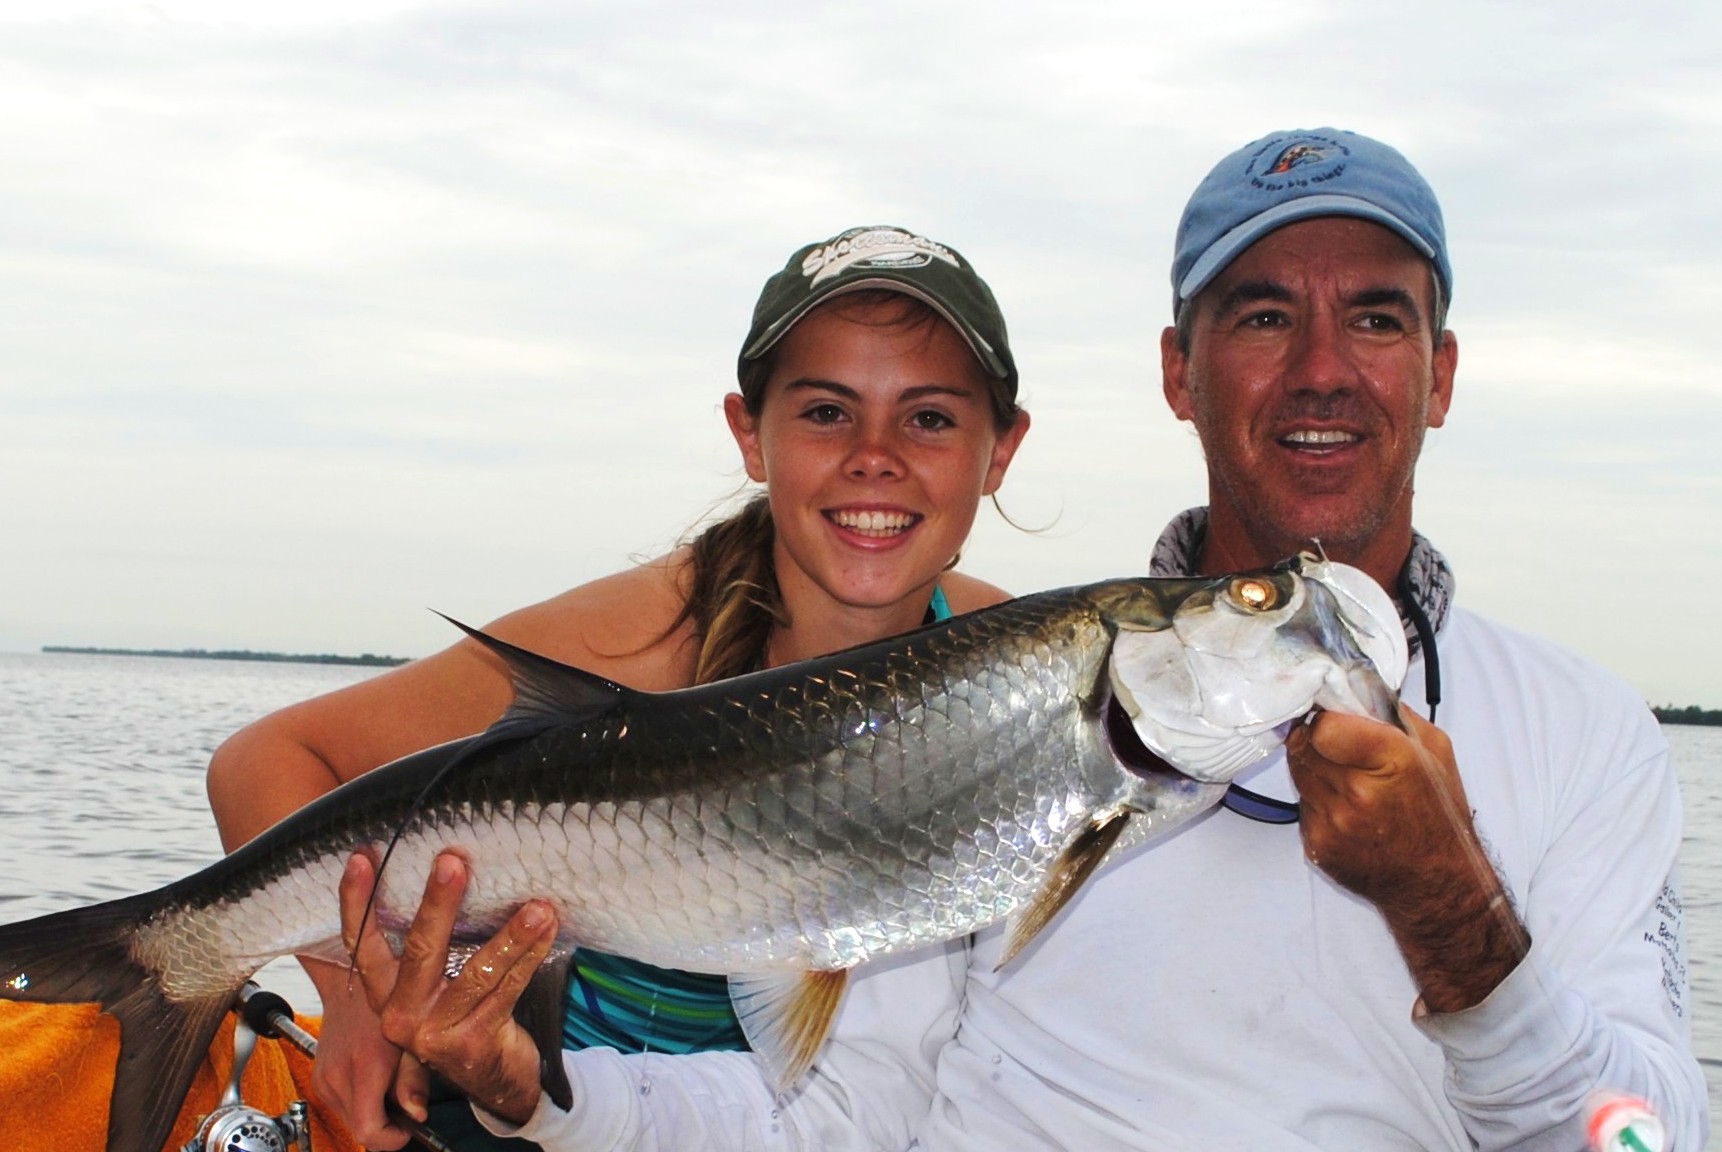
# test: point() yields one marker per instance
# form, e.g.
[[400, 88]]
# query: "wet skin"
[[463, 1026]]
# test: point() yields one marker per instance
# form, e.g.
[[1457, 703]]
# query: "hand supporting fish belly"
[[779, 828]]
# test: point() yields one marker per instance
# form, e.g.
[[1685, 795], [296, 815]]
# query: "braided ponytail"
[[733, 598]]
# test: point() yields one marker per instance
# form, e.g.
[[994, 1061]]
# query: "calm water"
[[101, 794]]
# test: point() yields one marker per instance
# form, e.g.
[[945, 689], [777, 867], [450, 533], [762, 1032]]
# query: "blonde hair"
[[733, 598]]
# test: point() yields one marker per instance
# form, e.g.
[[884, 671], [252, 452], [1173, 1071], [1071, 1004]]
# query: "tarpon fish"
[[780, 828]]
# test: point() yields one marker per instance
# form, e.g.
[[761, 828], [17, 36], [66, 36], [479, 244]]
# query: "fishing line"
[[532, 712], [413, 810], [1425, 638]]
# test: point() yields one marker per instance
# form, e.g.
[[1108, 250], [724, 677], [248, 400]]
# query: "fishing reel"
[[242, 1128], [236, 1126]]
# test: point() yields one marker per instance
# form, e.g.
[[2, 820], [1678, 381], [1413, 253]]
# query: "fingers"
[[497, 974], [424, 952], [354, 1068], [462, 1027], [1353, 741], [415, 981], [478, 1043], [1384, 811], [417, 975], [358, 880], [412, 1088], [373, 959], [470, 1034], [430, 1020], [1359, 742], [1428, 737]]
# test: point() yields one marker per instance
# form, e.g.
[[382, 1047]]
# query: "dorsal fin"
[[1074, 866], [545, 689], [786, 1016], [545, 693]]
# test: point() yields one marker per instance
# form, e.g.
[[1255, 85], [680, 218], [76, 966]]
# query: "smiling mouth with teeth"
[[874, 523], [1332, 438]]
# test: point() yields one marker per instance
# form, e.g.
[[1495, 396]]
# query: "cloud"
[[314, 315]]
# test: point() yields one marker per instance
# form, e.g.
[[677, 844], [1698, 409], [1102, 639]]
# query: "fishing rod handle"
[[270, 1015]]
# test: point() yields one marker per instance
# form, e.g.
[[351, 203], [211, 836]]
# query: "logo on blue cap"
[[1300, 154], [1312, 160]]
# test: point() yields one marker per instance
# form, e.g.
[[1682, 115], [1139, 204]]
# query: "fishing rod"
[[236, 1126]]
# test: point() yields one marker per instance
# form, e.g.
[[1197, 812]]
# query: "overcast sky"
[[315, 316]]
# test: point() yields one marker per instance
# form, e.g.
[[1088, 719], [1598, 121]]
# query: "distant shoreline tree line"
[[1667, 713], [1691, 714], [367, 660]]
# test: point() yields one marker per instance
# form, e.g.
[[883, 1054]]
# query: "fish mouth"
[[875, 523]]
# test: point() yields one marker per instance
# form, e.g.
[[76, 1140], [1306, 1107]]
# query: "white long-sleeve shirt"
[[1214, 990]]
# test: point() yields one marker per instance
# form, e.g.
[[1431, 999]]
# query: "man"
[[1441, 938], [1521, 863]]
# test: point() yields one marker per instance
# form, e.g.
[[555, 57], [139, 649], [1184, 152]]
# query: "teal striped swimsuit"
[[614, 1002]]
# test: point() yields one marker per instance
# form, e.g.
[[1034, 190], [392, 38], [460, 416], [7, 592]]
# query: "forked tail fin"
[[84, 956]]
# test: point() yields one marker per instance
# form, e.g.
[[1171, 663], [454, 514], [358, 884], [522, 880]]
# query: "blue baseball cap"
[[1297, 175]]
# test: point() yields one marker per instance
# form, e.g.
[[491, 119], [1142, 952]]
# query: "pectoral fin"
[[786, 1016], [1073, 868]]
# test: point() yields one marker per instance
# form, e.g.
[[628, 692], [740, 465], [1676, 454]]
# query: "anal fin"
[[787, 1015], [539, 1011]]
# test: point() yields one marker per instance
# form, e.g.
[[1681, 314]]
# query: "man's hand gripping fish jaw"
[[1214, 693]]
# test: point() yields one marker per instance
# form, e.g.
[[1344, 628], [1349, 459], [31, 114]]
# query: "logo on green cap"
[[873, 248]]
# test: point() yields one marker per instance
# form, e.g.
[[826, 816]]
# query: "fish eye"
[[1255, 594]]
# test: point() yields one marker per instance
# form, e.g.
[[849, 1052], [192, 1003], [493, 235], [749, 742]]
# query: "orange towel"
[[57, 1069]]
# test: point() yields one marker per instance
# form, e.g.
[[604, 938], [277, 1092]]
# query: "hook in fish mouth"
[[1297, 562]]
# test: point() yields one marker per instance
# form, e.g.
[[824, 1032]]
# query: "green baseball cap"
[[896, 260]]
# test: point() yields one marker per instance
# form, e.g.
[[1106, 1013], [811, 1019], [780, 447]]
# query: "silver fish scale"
[[895, 813]]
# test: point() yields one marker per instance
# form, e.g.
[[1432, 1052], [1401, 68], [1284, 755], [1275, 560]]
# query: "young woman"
[[877, 407]]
